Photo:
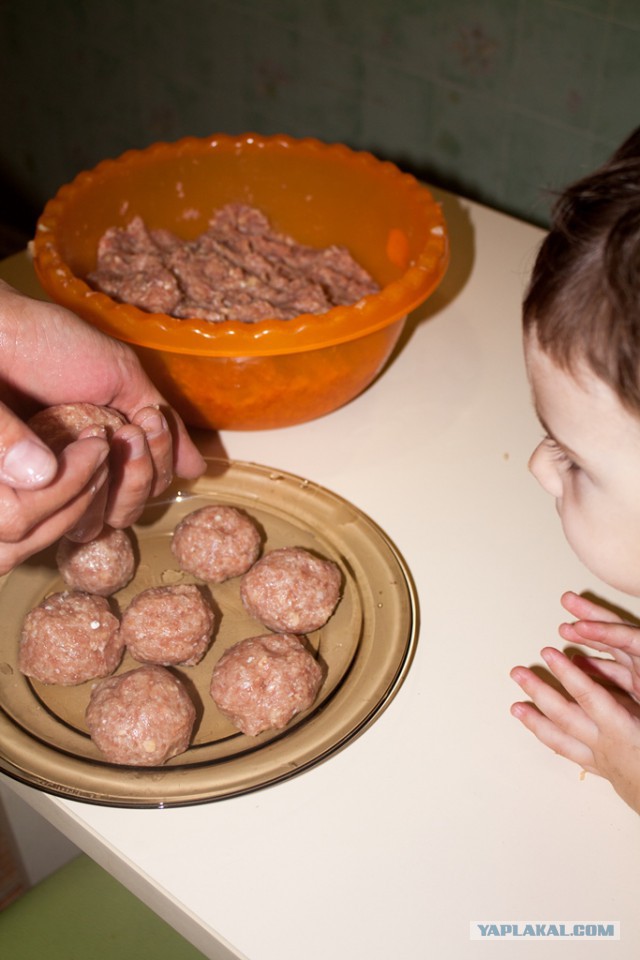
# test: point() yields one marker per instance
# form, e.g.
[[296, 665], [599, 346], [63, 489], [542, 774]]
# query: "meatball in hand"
[[48, 356]]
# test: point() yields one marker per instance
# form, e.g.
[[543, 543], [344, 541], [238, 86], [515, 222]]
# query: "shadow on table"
[[462, 256]]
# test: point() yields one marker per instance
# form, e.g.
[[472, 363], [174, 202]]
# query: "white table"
[[446, 810]]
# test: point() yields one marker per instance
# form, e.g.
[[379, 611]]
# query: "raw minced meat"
[[261, 683], [292, 591], [101, 566], [168, 625], [216, 543], [63, 423], [70, 637], [240, 268], [142, 717]]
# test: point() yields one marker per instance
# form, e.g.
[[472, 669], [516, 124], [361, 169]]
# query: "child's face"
[[590, 463]]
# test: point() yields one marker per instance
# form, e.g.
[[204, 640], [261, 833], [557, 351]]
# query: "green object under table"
[[81, 913]]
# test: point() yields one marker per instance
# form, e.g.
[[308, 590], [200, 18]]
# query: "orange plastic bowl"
[[274, 373]]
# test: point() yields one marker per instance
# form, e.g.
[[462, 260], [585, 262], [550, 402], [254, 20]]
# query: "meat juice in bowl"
[[271, 373]]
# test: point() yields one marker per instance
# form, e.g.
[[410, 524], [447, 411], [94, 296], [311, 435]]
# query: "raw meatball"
[[70, 637], [215, 543], [142, 717], [291, 591], [60, 425], [263, 682], [168, 625], [101, 566]]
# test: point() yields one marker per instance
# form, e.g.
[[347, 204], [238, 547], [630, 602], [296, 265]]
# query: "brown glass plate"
[[366, 649]]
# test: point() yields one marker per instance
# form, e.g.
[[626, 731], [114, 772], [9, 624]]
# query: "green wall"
[[500, 100]]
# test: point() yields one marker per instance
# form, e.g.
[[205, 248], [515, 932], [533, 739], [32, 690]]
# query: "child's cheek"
[[576, 529]]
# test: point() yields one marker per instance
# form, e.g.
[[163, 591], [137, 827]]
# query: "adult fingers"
[[26, 463], [64, 505], [132, 476], [92, 521], [160, 445], [172, 449], [188, 462], [21, 510]]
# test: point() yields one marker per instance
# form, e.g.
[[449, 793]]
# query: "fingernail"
[[153, 424], [137, 445], [95, 430], [100, 477], [29, 462]]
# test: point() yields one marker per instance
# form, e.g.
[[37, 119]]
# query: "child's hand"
[[598, 729], [602, 630]]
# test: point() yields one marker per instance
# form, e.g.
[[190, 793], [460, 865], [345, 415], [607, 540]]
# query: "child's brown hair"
[[583, 301]]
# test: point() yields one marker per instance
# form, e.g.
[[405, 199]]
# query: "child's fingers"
[[584, 609], [596, 702], [563, 714], [548, 734], [622, 636], [609, 670], [569, 633]]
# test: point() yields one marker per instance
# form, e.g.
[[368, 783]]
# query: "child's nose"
[[545, 470]]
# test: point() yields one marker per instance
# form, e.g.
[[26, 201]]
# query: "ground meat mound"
[[238, 269], [216, 543], [168, 625], [68, 638], [291, 591], [142, 717], [60, 425], [261, 683], [102, 566]]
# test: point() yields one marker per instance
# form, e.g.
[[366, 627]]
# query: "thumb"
[[26, 463]]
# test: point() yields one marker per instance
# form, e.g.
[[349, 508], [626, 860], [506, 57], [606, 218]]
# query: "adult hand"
[[49, 356], [31, 519]]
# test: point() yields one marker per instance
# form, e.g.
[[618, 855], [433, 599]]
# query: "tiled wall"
[[498, 99]]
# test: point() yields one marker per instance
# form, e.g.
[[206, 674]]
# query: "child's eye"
[[559, 454]]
